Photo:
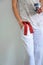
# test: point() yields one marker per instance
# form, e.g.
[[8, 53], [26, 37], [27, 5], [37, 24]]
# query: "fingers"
[[39, 10], [21, 24]]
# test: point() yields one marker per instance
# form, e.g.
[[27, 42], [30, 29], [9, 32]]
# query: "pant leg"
[[41, 47], [28, 39], [38, 44], [30, 51]]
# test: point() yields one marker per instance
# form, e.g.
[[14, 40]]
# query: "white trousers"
[[38, 47], [28, 39], [38, 39], [34, 42]]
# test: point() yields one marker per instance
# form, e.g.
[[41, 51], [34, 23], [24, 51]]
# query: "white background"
[[12, 51]]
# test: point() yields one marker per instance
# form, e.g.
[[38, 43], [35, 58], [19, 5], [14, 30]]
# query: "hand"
[[21, 24], [39, 10]]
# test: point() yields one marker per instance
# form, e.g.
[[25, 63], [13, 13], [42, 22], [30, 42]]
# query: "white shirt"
[[26, 10]]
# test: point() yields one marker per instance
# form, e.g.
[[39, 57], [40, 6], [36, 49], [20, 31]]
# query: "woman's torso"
[[27, 12]]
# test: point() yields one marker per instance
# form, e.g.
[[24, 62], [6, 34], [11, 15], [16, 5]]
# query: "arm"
[[16, 12], [41, 1]]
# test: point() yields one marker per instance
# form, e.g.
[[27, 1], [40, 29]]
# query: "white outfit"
[[34, 42]]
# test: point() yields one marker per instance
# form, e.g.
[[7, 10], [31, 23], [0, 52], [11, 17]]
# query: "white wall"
[[12, 51]]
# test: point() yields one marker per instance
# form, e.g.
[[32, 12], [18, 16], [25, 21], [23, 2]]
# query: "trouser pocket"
[[26, 34], [27, 26]]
